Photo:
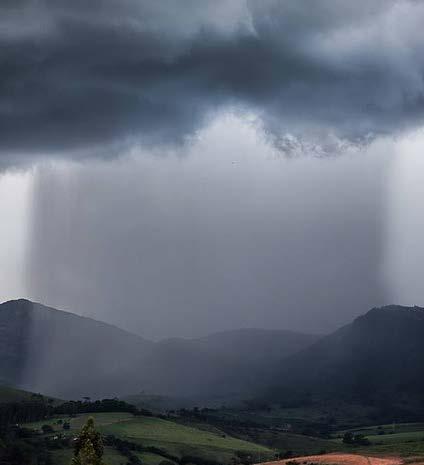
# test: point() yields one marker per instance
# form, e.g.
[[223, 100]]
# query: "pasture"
[[403, 439], [164, 435]]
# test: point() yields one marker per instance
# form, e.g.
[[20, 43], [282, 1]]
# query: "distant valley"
[[68, 356], [225, 397], [376, 361]]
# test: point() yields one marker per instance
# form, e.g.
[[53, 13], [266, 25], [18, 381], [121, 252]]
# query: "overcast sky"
[[182, 167]]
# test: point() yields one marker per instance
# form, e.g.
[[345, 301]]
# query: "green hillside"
[[404, 439], [110, 457], [10, 394], [182, 440], [168, 436], [376, 361], [76, 423]]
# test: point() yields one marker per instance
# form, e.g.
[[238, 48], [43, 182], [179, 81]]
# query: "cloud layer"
[[84, 78], [231, 235]]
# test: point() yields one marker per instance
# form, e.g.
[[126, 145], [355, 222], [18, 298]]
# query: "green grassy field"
[[401, 448], [180, 440], [393, 428], [207, 441], [77, 422], [412, 436], [150, 459], [283, 430], [337, 413], [111, 457], [9, 394], [298, 444], [404, 439], [174, 438]]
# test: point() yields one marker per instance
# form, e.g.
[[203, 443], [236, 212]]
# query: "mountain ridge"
[[378, 359], [67, 355], [25, 305]]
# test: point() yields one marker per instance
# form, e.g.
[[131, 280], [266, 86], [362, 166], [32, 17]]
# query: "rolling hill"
[[223, 366], [377, 360], [64, 355], [258, 346], [158, 436], [9, 394]]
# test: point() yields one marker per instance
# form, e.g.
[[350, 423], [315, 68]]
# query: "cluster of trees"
[[104, 405], [18, 446], [24, 411], [355, 439], [194, 459], [215, 417], [40, 408], [128, 448]]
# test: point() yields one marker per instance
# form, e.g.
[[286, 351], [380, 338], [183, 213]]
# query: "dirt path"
[[339, 459]]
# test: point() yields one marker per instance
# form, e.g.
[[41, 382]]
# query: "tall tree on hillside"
[[88, 449]]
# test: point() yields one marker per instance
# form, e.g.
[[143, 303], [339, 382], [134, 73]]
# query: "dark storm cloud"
[[82, 77]]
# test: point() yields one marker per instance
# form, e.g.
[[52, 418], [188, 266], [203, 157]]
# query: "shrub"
[[47, 429]]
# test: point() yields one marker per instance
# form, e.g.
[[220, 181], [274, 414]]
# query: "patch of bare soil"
[[339, 459]]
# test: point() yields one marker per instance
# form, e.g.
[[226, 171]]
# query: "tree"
[[355, 439], [348, 438], [47, 429], [87, 456], [361, 440], [88, 449]]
